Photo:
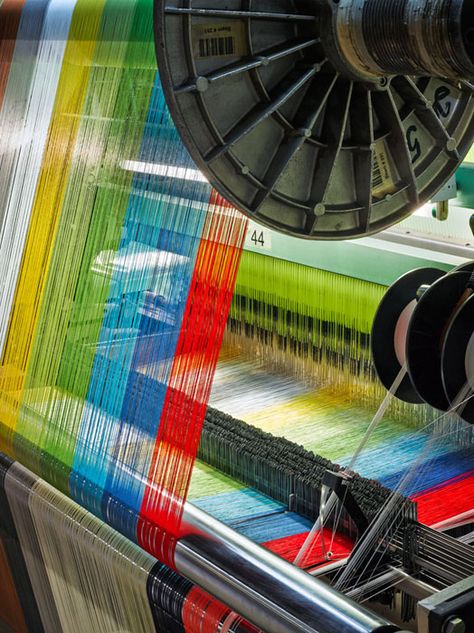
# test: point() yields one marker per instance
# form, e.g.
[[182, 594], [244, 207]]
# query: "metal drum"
[[322, 119]]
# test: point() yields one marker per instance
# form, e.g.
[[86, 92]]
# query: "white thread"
[[401, 330]]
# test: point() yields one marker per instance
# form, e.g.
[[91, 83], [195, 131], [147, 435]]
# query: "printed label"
[[258, 238], [219, 40], [382, 179]]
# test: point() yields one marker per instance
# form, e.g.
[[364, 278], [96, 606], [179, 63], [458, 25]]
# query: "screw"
[[454, 625], [202, 84], [451, 144]]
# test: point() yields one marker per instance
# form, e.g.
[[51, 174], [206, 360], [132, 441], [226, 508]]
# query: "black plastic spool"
[[425, 337], [453, 360], [397, 298]]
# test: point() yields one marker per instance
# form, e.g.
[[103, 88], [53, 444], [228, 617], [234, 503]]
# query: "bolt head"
[[451, 145], [202, 84], [454, 625]]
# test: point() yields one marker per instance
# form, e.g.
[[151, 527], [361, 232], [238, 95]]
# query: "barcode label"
[[382, 180], [226, 39], [216, 47], [378, 178]]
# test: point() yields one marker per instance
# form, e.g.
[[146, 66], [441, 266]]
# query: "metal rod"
[[425, 243], [413, 586], [266, 590], [328, 569]]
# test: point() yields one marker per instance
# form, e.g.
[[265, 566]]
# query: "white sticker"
[[226, 39], [258, 238], [382, 182]]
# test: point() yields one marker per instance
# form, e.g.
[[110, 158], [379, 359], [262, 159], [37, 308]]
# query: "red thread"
[[454, 497], [190, 381], [288, 548]]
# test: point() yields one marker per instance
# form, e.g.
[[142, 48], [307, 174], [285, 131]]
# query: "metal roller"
[[323, 119]]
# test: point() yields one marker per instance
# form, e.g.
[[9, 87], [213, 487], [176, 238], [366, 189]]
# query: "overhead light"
[[159, 169]]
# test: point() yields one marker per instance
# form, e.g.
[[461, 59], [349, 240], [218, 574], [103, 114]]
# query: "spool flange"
[[426, 333], [399, 299], [457, 360], [306, 121]]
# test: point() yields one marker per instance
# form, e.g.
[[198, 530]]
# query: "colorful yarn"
[[80, 575], [81, 399], [10, 14], [323, 319], [73, 573], [327, 422], [451, 498], [119, 265], [119, 268]]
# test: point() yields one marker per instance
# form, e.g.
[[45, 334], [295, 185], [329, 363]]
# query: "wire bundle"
[[117, 265]]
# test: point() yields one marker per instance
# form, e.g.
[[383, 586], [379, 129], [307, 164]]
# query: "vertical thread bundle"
[[119, 264], [73, 573]]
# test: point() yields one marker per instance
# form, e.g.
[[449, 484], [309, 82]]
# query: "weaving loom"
[[126, 502]]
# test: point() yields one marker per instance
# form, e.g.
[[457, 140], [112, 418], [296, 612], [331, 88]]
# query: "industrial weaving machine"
[[334, 487]]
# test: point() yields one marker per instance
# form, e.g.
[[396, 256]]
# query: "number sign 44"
[[258, 238]]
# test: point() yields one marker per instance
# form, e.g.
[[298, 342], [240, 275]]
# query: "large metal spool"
[[324, 119]]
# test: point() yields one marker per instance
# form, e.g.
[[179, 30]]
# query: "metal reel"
[[305, 133]]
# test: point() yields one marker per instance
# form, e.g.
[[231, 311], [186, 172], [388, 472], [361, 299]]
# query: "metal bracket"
[[339, 484], [448, 611]]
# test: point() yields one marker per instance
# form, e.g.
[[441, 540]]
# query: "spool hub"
[[317, 118]]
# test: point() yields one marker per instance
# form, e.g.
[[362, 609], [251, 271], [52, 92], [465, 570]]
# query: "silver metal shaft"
[[404, 37], [266, 590]]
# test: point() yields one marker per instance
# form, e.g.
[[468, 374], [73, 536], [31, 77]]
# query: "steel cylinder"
[[376, 38]]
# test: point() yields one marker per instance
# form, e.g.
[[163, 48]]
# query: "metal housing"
[[298, 134]]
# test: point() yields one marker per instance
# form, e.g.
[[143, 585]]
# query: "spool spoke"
[[406, 88], [362, 128], [239, 15], [305, 119], [335, 123], [389, 117], [286, 90], [262, 59]]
